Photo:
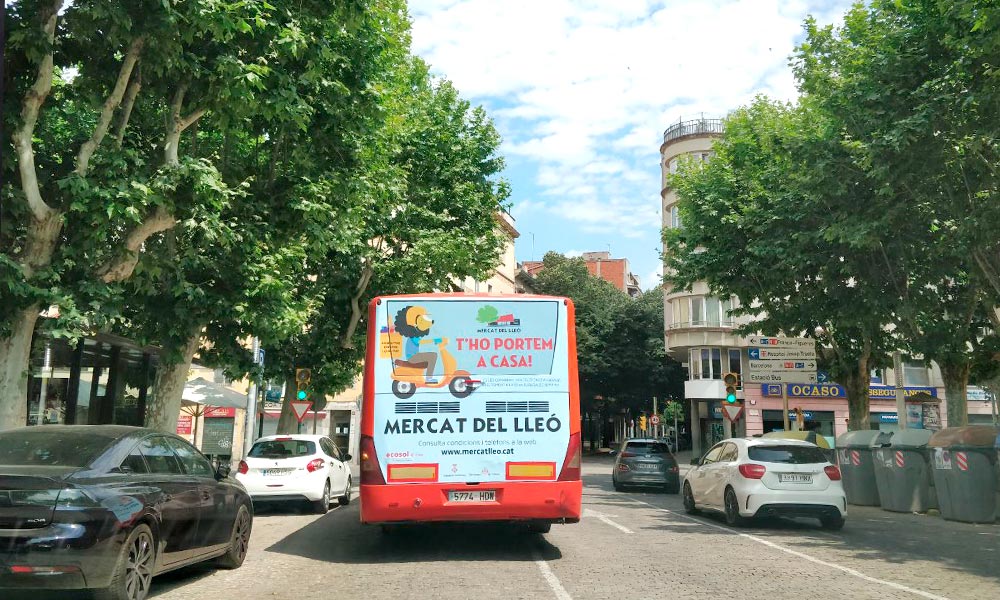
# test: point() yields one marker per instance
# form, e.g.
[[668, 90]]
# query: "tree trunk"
[[14, 355], [287, 423], [956, 378], [856, 383], [162, 411]]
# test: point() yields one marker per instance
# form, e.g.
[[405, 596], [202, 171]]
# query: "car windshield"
[[51, 447], [795, 455], [647, 448], [282, 449]]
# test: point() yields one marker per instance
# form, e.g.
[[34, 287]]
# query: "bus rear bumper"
[[551, 501]]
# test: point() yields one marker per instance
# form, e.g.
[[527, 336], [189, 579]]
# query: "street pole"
[[784, 405], [897, 367], [655, 427], [677, 432], [250, 421]]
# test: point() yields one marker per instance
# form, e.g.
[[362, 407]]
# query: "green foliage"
[[620, 346], [487, 314]]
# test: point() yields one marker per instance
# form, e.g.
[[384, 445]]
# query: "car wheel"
[[832, 523], [672, 487], [134, 571], [689, 506], [346, 498], [239, 543], [733, 517], [321, 506]]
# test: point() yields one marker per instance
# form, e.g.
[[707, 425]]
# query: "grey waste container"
[[965, 463], [854, 453], [903, 472]]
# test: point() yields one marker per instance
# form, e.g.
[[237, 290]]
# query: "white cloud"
[[583, 89]]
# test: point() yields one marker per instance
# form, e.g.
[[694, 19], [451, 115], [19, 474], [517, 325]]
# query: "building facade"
[[699, 333], [600, 264], [503, 279]]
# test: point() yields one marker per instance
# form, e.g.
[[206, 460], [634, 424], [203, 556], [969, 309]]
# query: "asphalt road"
[[628, 545]]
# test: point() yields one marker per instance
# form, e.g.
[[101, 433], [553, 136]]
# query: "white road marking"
[[604, 518], [550, 578], [802, 555]]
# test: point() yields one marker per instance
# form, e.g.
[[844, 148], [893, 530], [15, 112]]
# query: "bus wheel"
[[459, 387], [539, 527], [403, 389]]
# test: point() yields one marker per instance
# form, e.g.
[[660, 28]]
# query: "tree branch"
[[987, 270], [121, 268], [108, 110], [346, 340], [130, 94], [191, 118], [30, 108]]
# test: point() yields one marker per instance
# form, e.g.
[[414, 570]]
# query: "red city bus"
[[471, 410]]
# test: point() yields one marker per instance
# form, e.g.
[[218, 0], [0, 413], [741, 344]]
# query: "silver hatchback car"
[[646, 462]]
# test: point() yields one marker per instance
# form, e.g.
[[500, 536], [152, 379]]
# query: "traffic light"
[[642, 422], [302, 379], [731, 380]]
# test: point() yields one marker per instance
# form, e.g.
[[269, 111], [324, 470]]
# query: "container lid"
[[911, 438], [970, 436], [863, 438]]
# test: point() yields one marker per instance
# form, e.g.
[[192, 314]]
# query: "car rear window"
[[54, 448], [647, 448], [794, 455], [283, 449]]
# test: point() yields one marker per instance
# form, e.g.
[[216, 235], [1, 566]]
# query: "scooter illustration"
[[408, 376]]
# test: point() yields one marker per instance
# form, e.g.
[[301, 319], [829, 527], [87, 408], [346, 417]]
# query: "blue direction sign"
[[754, 353], [822, 377]]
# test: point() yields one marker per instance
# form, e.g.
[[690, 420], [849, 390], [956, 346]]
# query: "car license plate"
[[274, 472], [473, 496], [794, 478], [648, 467]]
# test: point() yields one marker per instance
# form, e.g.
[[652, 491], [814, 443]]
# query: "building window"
[[736, 363], [706, 363], [675, 217], [915, 373], [697, 310], [695, 369], [712, 317], [672, 166]]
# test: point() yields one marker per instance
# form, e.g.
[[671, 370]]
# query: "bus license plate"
[[795, 478], [474, 496]]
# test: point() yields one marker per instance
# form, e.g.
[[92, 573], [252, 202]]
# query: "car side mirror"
[[223, 470], [347, 457]]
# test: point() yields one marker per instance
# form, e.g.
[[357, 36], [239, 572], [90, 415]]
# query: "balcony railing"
[[692, 127], [693, 324]]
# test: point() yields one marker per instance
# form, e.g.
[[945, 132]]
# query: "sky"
[[581, 91]]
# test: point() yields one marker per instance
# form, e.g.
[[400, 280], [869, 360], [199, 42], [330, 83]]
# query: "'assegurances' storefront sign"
[[833, 390]]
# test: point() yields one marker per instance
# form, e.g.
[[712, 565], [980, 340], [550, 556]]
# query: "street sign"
[[769, 366], [655, 419], [300, 408], [732, 412], [781, 377], [781, 354], [822, 376], [782, 342]]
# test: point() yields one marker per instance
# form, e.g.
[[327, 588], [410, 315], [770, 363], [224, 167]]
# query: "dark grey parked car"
[[646, 462]]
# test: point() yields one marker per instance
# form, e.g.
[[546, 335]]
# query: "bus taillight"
[[371, 472], [571, 466]]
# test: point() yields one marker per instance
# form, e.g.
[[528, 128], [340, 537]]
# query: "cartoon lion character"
[[413, 323]]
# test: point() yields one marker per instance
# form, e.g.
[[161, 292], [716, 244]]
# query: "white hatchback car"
[[758, 477], [282, 468]]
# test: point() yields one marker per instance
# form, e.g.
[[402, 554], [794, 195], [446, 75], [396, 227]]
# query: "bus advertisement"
[[471, 410]]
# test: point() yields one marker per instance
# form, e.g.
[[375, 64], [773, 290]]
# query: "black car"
[[108, 507]]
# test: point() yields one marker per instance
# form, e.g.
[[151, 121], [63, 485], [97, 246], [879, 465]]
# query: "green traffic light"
[[302, 395], [731, 398]]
